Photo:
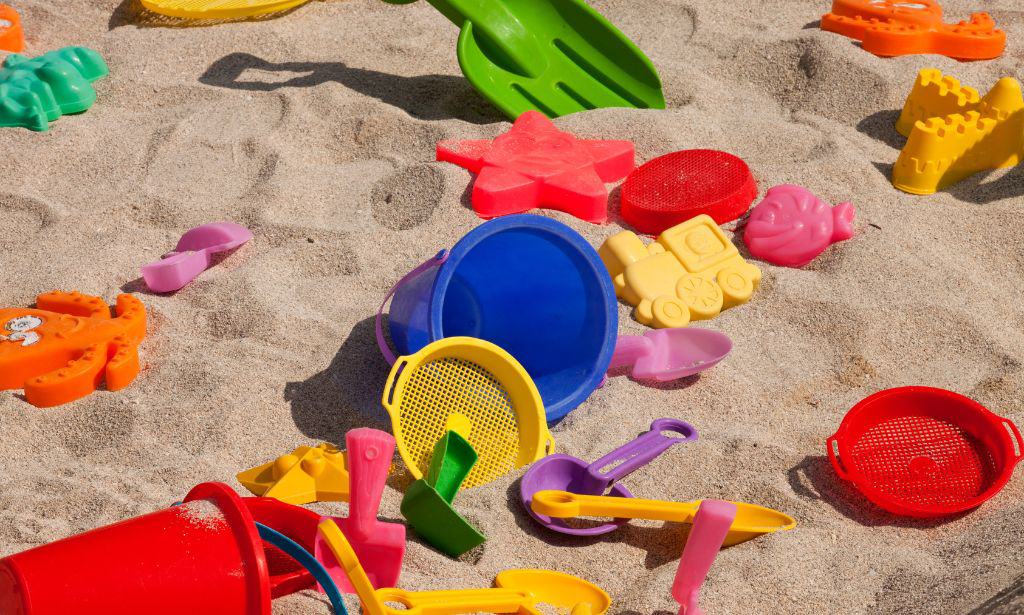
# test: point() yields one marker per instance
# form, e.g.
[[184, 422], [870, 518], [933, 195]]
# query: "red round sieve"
[[925, 452], [673, 188]]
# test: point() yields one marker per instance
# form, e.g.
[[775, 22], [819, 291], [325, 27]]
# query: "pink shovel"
[[193, 255], [380, 546], [668, 354], [710, 525]]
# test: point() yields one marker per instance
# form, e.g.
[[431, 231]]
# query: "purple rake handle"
[[628, 458], [434, 261]]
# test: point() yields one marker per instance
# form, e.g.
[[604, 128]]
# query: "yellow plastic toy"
[[751, 521], [692, 272], [476, 389], [219, 9], [954, 133], [515, 591], [306, 475]]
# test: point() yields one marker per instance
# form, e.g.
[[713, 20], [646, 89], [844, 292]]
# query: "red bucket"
[[925, 452], [204, 556]]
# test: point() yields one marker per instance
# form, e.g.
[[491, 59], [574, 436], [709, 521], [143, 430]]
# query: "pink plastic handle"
[[832, 444], [1016, 436], [382, 343], [710, 526], [369, 456]]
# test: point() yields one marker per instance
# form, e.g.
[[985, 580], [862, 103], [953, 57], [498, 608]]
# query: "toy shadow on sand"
[[425, 97]]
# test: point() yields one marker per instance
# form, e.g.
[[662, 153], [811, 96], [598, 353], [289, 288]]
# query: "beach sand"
[[317, 131]]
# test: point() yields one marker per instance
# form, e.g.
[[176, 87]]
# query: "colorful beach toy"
[[710, 527], [537, 165], [37, 91], [925, 452], [553, 56], [664, 355], [65, 347], [791, 226], [193, 255], [219, 9], [514, 591], [567, 473], [306, 475], [12, 37], [427, 504], [691, 272]]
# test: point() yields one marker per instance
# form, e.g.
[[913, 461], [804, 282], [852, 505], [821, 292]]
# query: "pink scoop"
[[710, 526], [193, 255], [791, 226], [669, 354]]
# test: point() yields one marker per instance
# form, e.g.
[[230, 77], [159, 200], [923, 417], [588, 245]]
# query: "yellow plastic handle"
[[455, 602], [751, 520]]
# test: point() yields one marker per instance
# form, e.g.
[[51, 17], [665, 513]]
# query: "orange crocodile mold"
[[62, 350], [900, 27]]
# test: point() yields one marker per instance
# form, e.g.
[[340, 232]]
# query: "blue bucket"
[[529, 284]]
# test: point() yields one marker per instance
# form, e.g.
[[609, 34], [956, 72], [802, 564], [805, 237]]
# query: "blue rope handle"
[[307, 561]]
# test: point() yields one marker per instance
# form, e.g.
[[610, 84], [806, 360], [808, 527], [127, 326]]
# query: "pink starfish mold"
[[537, 165], [791, 226]]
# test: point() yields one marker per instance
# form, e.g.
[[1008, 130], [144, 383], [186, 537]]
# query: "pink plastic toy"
[[380, 546], [193, 255], [669, 354], [791, 226], [710, 526], [536, 165]]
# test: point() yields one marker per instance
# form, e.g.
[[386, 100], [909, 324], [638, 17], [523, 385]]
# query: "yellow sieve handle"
[[455, 602]]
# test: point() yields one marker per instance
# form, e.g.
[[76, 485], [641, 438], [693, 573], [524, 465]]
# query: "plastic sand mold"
[[537, 165], [553, 56], [68, 345], [691, 272], [676, 187], [567, 473], [954, 134], [306, 475], [925, 452], [428, 502], [710, 527], [901, 27], [669, 354], [751, 521], [380, 546], [37, 91], [219, 9], [472, 387], [515, 591], [791, 226], [12, 37], [193, 255]]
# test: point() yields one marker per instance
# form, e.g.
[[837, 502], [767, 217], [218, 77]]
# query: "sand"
[[317, 131]]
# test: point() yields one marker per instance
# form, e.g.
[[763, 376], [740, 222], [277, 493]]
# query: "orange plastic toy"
[[62, 350], [12, 37], [903, 27]]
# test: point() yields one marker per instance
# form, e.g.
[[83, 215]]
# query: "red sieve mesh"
[[673, 188]]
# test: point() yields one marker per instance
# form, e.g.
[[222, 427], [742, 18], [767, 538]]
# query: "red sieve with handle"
[[925, 452], [673, 188]]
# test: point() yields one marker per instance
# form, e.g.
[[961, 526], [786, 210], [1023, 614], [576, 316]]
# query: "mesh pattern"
[[441, 388], [924, 461]]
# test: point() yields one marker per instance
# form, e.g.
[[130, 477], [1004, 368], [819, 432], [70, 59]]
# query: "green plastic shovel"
[[428, 502], [554, 56]]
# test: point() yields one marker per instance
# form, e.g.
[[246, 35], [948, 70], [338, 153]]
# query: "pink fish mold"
[[791, 226]]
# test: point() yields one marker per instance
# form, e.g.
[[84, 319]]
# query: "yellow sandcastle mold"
[[934, 95], [306, 475]]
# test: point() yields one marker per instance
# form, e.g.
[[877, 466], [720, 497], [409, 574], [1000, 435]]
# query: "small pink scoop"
[[193, 255], [670, 354], [710, 526]]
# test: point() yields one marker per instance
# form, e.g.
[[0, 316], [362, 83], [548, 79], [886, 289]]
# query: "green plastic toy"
[[554, 56], [36, 91], [428, 501]]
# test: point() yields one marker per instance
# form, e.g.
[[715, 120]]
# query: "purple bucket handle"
[[382, 343], [636, 454]]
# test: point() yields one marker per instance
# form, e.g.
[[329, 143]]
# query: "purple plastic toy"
[[669, 354], [193, 255], [710, 526], [791, 226], [567, 473]]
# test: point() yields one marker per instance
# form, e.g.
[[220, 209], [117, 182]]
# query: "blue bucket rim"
[[611, 308]]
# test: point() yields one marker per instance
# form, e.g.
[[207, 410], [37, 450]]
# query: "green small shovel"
[[554, 56], [428, 502]]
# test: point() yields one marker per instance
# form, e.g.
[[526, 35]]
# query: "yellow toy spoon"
[[751, 521], [516, 591]]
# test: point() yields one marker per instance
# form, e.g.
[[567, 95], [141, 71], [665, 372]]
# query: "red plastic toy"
[[203, 557], [924, 452], [673, 188], [537, 165]]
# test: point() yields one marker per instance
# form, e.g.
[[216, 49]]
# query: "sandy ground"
[[317, 130]]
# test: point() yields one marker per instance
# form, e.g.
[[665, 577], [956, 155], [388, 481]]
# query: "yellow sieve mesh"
[[445, 387]]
